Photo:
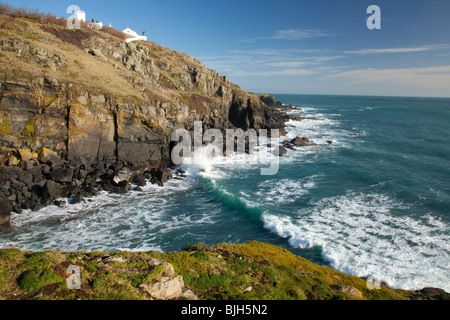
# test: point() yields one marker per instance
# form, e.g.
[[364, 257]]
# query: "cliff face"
[[94, 98], [96, 101]]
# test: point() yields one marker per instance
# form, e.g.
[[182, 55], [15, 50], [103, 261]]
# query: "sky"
[[295, 46]]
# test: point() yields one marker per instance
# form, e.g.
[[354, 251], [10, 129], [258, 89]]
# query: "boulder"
[[61, 175], [76, 199], [128, 174], [124, 174], [13, 162], [27, 155], [5, 211], [47, 155], [52, 190], [300, 142], [140, 180], [188, 294], [97, 53], [433, 292], [167, 288], [123, 187], [163, 175], [153, 262], [280, 151], [28, 164], [347, 290]]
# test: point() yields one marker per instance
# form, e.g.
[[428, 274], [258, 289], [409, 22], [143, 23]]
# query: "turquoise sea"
[[375, 203]]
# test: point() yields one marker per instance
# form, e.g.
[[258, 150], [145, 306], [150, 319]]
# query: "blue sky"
[[296, 46]]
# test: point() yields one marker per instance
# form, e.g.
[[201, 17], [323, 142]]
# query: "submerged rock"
[[301, 142]]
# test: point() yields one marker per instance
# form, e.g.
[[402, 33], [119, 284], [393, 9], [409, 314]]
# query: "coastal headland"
[[82, 111]]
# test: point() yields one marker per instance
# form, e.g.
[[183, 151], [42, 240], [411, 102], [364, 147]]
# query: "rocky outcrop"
[[89, 104], [270, 101]]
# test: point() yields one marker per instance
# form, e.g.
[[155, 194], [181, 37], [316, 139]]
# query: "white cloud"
[[267, 73], [295, 34], [399, 50], [437, 77], [270, 62], [291, 34]]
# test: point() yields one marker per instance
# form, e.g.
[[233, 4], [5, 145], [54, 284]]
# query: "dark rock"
[[89, 190], [147, 174], [26, 178], [116, 166], [37, 206], [76, 199], [107, 185], [5, 210], [4, 190], [270, 101], [60, 203], [61, 175], [123, 187], [140, 180], [28, 164], [82, 174], [70, 190], [9, 173], [432, 292], [55, 162], [301, 142], [17, 209], [52, 190], [45, 169], [96, 174], [164, 175], [280, 151], [26, 205], [137, 189]]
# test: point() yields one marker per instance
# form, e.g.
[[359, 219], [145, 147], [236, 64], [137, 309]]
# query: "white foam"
[[202, 164], [134, 221], [360, 235], [283, 191], [320, 128]]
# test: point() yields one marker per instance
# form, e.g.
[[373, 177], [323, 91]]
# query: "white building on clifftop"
[[134, 35], [80, 15]]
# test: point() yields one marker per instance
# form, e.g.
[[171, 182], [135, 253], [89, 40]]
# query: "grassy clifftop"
[[249, 271]]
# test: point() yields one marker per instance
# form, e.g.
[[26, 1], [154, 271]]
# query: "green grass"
[[28, 19], [35, 279], [5, 128], [249, 271]]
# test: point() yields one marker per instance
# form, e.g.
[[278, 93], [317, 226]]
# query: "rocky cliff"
[[78, 107]]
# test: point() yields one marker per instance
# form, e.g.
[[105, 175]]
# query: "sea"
[[374, 203]]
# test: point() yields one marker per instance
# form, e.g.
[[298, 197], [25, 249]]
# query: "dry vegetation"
[[32, 15], [81, 67]]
